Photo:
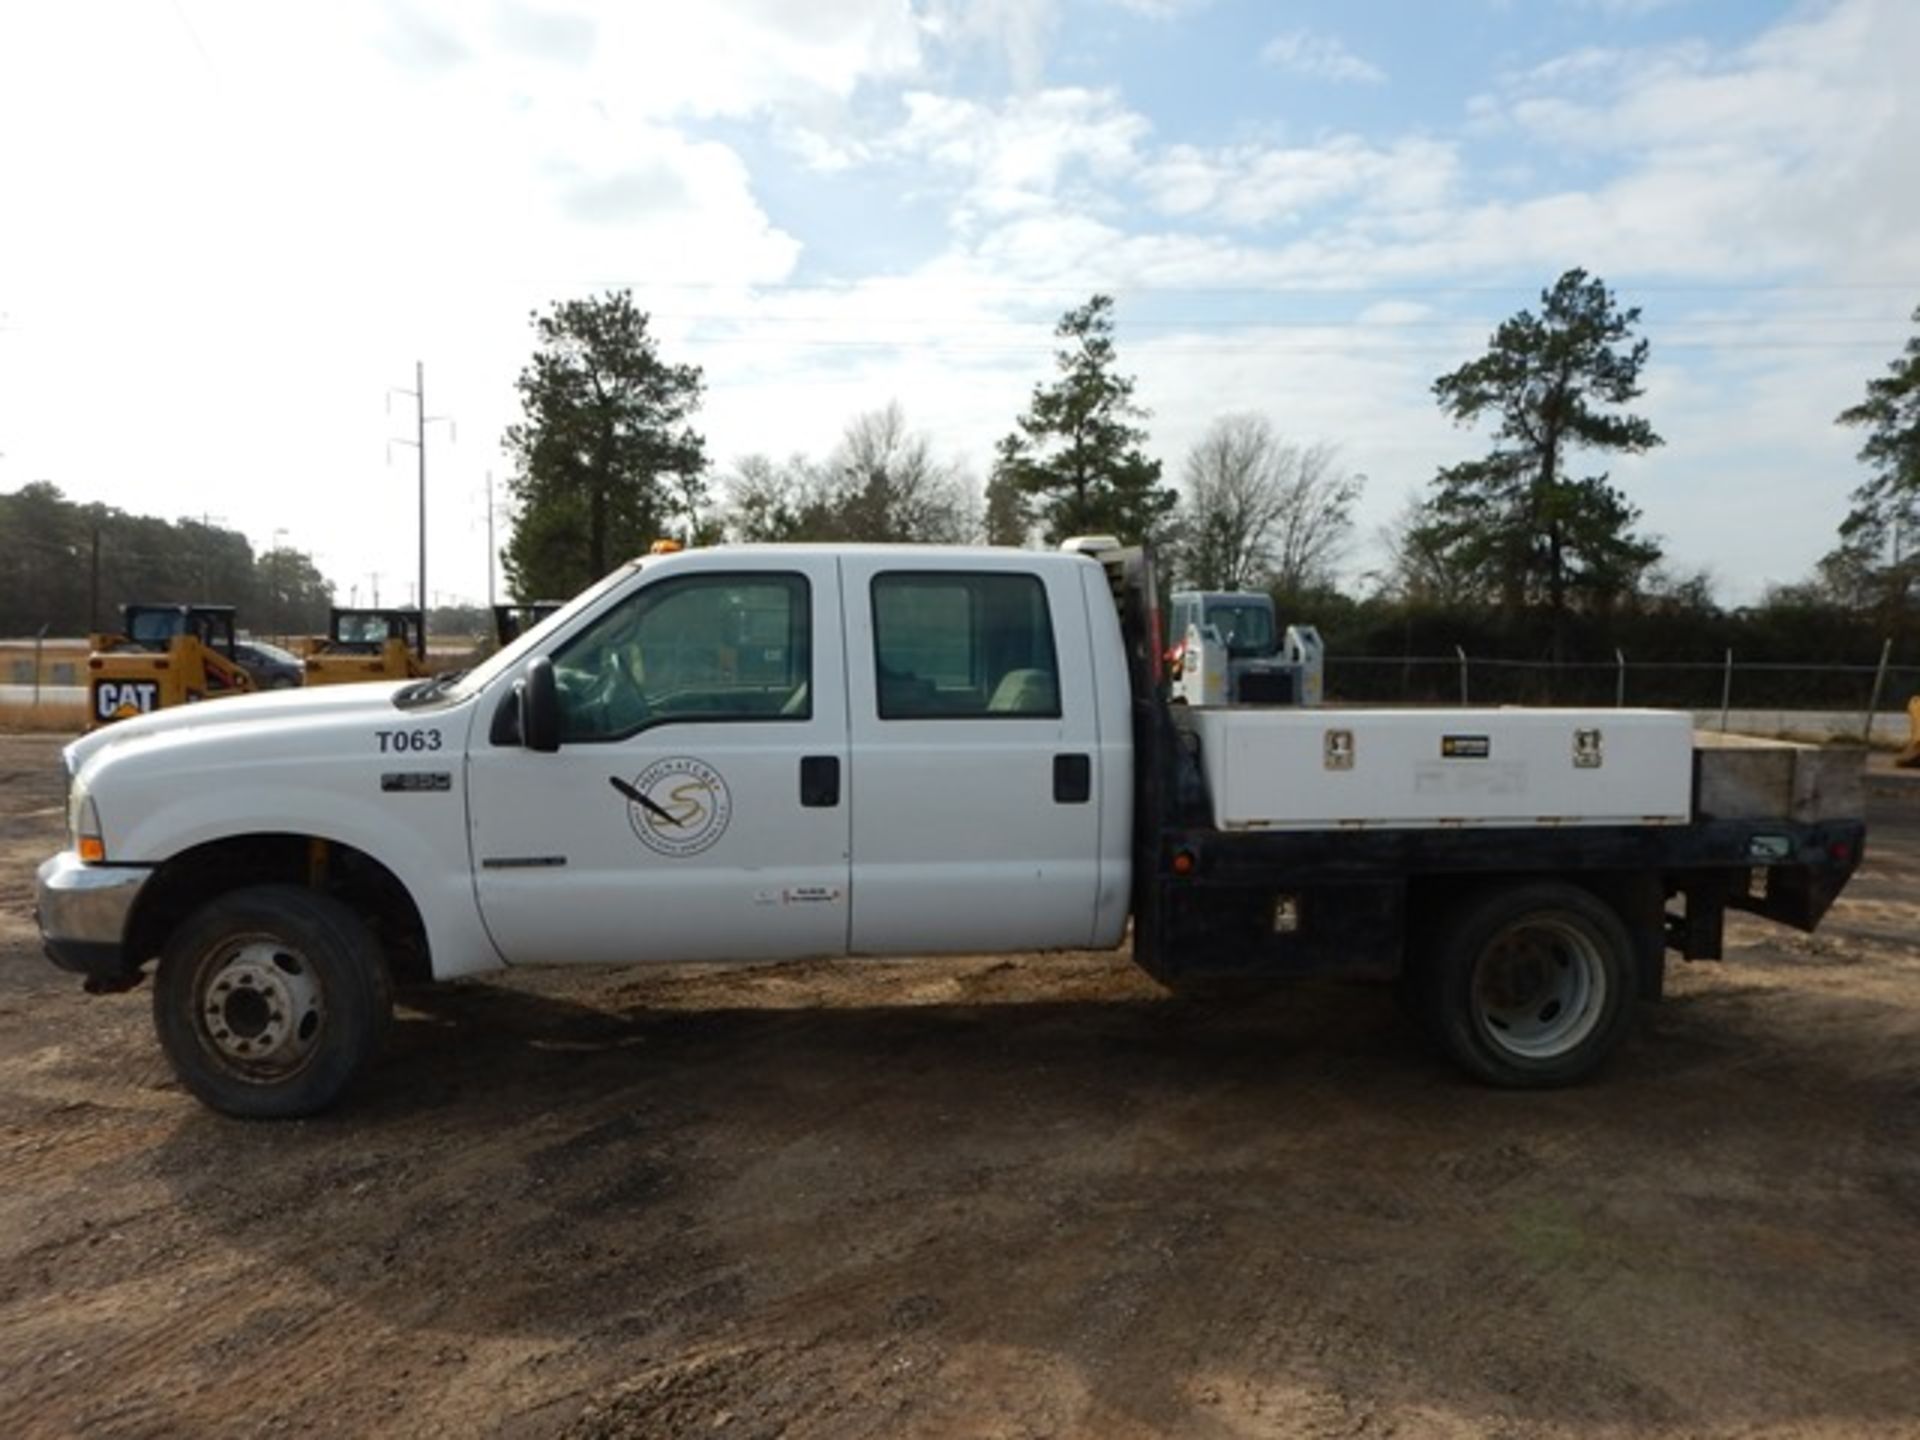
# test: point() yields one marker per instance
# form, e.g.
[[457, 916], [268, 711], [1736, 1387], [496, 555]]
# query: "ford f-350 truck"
[[765, 753]]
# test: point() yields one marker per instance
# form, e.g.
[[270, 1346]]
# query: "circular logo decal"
[[683, 806]]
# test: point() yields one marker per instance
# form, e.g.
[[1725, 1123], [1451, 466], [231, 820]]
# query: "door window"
[[964, 646], [706, 647]]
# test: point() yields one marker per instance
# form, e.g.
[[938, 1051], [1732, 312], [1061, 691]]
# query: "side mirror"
[[539, 706]]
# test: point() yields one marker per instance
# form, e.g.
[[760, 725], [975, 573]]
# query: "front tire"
[[270, 1001], [1532, 985]]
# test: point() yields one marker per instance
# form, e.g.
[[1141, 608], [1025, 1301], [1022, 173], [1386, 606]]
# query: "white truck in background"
[[1229, 649], [762, 753]]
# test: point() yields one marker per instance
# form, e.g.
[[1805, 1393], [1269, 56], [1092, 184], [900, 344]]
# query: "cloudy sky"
[[227, 228]]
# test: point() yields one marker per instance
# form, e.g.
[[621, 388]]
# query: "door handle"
[[819, 781], [1072, 779]]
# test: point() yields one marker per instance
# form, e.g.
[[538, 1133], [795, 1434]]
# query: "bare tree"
[[1262, 510], [1419, 568], [887, 486], [882, 483], [769, 500]]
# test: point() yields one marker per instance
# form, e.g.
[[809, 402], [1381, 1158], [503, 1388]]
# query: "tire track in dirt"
[[942, 1197]]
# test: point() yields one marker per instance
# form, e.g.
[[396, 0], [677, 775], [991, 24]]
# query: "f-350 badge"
[[678, 806]]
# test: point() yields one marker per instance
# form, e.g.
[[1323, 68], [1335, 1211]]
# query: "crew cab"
[[767, 753]]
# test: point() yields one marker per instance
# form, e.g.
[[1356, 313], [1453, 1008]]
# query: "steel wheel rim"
[[259, 1008], [1539, 988]]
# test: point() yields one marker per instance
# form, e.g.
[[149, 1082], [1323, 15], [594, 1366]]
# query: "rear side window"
[[972, 645]]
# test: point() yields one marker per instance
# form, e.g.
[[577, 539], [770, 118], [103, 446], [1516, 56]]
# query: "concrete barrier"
[[1889, 728]]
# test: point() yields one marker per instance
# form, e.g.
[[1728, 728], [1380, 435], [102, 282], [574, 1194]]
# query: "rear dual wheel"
[[1530, 986], [270, 1001]]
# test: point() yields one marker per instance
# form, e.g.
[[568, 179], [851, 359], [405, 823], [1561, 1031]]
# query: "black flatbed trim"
[[1365, 853]]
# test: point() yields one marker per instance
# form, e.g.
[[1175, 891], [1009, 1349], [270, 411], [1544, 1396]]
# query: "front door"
[[697, 808]]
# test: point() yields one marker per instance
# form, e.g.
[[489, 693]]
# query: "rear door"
[[976, 794]]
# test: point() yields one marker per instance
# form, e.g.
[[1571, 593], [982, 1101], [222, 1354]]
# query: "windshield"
[[368, 629], [1245, 626], [150, 626], [534, 640]]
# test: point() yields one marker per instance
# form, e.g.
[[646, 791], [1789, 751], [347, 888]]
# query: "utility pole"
[[93, 588], [279, 587], [206, 555], [490, 600], [419, 443]]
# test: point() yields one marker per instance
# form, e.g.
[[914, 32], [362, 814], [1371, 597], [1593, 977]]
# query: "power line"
[[1278, 322], [881, 283], [1047, 346]]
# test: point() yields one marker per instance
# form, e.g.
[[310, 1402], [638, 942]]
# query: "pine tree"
[[1553, 383], [605, 462], [1076, 451]]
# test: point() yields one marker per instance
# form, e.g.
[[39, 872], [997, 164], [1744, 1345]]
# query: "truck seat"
[[1024, 692]]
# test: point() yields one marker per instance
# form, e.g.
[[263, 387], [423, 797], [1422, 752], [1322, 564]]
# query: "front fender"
[[156, 806]]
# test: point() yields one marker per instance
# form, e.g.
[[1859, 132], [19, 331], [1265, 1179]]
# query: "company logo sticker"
[[678, 806], [121, 699]]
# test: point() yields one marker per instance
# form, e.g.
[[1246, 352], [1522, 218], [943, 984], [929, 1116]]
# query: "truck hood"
[[317, 760], [239, 712]]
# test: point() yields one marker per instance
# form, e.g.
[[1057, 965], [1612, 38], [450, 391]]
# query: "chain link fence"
[[1726, 684]]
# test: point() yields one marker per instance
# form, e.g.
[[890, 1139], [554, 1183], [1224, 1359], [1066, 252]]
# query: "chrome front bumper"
[[82, 912]]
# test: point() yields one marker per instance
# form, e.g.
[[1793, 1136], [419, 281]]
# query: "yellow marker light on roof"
[[665, 547]]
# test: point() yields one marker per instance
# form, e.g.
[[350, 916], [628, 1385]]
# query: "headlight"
[[83, 825]]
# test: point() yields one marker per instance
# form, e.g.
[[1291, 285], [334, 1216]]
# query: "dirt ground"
[[975, 1197]]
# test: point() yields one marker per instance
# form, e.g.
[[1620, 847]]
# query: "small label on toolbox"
[[1465, 747]]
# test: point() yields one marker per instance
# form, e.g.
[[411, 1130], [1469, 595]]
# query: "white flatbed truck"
[[765, 753]]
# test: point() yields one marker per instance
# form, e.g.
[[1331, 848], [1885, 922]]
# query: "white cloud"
[[1321, 57], [1161, 9], [1017, 157], [272, 234], [1258, 185], [720, 57], [1790, 150], [271, 218], [1631, 9], [1017, 31]]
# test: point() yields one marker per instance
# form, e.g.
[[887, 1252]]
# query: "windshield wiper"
[[424, 692]]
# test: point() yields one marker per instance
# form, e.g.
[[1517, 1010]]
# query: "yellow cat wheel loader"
[[1909, 756], [162, 655], [368, 645], [511, 621]]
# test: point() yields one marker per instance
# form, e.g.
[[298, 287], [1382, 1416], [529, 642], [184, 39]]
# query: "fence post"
[[1726, 692], [1460, 650], [1879, 683], [39, 642], [1620, 683]]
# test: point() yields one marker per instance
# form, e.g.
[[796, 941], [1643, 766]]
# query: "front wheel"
[[1532, 985], [270, 1001]]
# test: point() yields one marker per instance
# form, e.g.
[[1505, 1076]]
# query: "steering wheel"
[[622, 699]]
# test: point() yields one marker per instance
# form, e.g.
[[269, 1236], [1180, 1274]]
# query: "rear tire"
[[1531, 986], [270, 1001]]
